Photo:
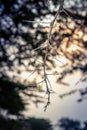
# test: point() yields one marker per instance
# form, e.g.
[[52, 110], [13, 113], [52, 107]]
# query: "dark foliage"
[[17, 40], [27, 124], [69, 124], [39, 124], [9, 97]]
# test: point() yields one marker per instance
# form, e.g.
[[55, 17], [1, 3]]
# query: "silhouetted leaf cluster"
[[27, 124], [17, 40], [70, 124]]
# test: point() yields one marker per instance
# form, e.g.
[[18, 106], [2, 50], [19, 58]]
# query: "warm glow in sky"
[[73, 48]]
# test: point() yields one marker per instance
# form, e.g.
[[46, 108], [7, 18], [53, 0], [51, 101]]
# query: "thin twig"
[[55, 18], [56, 59], [29, 21]]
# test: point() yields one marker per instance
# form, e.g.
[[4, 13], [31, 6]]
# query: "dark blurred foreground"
[[26, 124]]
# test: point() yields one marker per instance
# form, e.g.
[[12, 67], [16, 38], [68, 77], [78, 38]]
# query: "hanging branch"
[[61, 2], [48, 44]]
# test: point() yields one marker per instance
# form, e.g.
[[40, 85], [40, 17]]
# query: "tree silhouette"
[[69, 124], [27, 124], [19, 40]]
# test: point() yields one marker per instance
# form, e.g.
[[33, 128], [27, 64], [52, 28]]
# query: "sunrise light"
[[73, 48]]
